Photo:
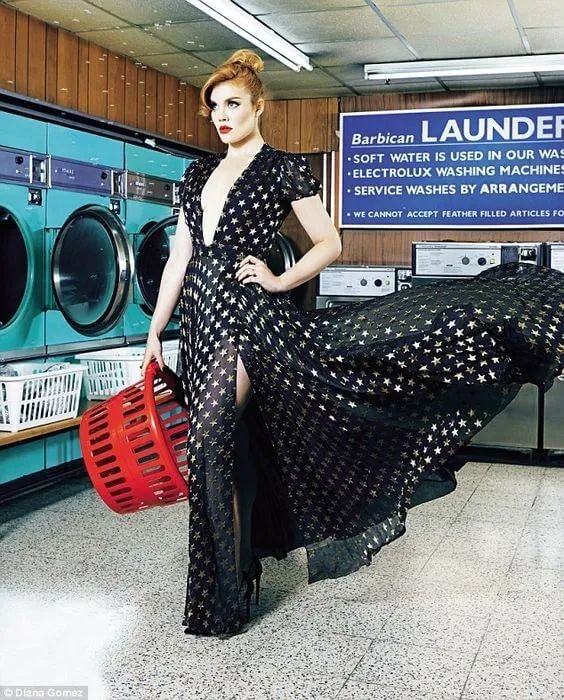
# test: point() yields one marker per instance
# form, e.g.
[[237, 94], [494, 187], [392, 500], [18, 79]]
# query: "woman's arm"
[[173, 277], [327, 244]]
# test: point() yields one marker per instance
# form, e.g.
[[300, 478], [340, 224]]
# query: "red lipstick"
[[224, 129]]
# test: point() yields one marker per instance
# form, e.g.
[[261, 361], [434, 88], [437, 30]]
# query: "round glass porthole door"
[[91, 270], [152, 255], [14, 268]]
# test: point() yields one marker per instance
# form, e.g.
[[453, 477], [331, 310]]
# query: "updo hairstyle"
[[243, 66]]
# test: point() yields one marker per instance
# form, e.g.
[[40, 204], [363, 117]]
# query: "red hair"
[[243, 66]]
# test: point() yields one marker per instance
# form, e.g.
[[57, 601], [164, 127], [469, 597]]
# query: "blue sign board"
[[481, 167]]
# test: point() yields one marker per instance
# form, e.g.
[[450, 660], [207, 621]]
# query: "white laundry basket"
[[110, 371], [37, 397]]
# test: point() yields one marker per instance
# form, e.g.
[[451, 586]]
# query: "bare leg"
[[244, 486]]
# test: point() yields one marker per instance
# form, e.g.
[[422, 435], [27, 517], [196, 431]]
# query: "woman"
[[356, 412]]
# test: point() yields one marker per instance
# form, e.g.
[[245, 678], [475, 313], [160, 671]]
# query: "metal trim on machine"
[[170, 221], [124, 262]]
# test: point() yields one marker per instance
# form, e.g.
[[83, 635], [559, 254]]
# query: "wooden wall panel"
[[203, 133], [151, 105], [171, 106], [274, 123], [22, 53], [190, 114], [313, 132], [161, 92], [7, 48], [130, 93], [98, 81], [332, 123], [67, 70], [83, 72], [36, 61], [51, 55], [116, 87], [181, 116], [141, 96], [293, 136]]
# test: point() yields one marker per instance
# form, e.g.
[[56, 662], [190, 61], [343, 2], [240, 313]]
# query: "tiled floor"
[[467, 604]]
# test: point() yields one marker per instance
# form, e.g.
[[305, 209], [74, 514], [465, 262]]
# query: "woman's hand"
[[154, 349], [252, 269]]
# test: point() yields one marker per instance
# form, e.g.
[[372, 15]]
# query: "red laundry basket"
[[134, 444]]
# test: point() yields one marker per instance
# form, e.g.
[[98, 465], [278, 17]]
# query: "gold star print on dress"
[[357, 411]]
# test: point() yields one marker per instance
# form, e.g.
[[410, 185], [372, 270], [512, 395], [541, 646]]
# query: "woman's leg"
[[244, 477]]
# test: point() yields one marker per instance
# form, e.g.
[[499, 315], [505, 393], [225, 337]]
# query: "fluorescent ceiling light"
[[506, 65], [237, 20]]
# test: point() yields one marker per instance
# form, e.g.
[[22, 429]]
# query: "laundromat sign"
[[494, 167]]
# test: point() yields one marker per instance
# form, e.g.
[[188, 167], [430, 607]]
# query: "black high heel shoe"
[[253, 573]]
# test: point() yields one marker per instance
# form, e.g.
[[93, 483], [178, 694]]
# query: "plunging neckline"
[[227, 197]]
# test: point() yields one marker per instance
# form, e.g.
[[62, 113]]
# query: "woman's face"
[[233, 114]]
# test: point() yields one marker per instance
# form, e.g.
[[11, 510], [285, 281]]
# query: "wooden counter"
[[40, 431]]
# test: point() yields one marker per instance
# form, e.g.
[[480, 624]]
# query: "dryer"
[[347, 284], [151, 187], [89, 261], [23, 179]]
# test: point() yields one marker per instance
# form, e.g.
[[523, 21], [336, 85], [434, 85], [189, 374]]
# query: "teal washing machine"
[[89, 260], [23, 180], [151, 190]]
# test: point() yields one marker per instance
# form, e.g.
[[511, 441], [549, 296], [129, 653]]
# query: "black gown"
[[353, 406]]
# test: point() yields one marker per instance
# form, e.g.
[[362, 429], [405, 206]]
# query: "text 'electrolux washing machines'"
[[516, 427], [23, 179], [151, 185], [345, 284], [553, 428], [88, 254]]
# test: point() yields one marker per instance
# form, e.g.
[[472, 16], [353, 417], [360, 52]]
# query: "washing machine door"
[[152, 254], [91, 269], [14, 268]]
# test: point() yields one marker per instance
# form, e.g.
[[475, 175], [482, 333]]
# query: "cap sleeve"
[[297, 180]]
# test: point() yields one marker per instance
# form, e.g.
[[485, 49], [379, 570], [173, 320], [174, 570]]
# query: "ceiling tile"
[[356, 24], [466, 45], [262, 7], [196, 80], [548, 13], [74, 15], [150, 12], [292, 94], [453, 17], [304, 79], [546, 40], [178, 64], [130, 41], [337, 53], [199, 36], [216, 58]]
